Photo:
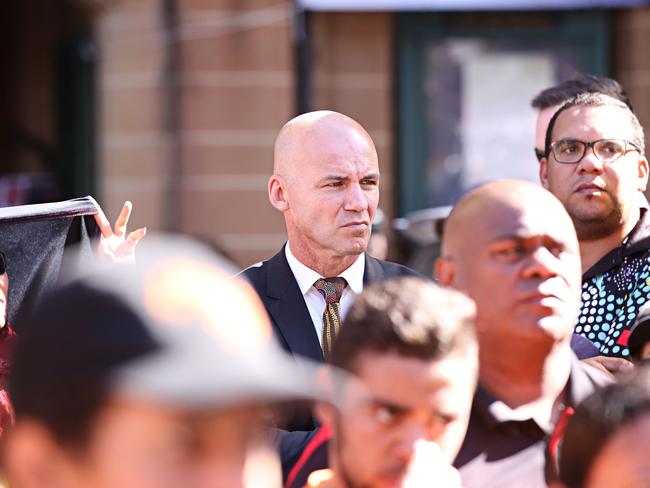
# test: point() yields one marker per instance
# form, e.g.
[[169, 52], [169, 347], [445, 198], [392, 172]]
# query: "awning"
[[460, 5]]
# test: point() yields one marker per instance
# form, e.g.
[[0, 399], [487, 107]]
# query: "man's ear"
[[543, 172], [31, 456], [444, 271], [643, 173], [277, 193]]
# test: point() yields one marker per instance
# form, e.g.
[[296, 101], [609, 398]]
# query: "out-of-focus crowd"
[[521, 365]]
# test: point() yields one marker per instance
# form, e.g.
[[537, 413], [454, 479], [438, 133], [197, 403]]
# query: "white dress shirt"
[[306, 277]]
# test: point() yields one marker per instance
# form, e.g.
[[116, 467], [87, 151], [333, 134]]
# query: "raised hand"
[[115, 244]]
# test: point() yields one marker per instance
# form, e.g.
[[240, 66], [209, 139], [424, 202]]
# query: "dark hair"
[[559, 94], [596, 420], [411, 316], [60, 376], [597, 100]]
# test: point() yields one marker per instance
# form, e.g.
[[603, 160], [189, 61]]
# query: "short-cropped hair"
[[598, 100], [560, 93], [597, 419], [409, 316]]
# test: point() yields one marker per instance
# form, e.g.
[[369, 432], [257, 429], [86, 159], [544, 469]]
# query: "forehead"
[[336, 148], [591, 123], [544, 116], [624, 458], [527, 219], [414, 381]]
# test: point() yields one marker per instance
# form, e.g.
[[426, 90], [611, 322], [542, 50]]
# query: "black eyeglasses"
[[571, 151]]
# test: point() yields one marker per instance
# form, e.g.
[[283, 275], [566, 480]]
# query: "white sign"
[[456, 5]]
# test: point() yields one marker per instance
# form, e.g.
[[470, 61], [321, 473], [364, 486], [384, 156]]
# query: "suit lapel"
[[373, 271], [287, 308]]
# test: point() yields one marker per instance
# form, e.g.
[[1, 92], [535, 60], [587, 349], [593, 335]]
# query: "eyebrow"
[[524, 237], [370, 176], [383, 402]]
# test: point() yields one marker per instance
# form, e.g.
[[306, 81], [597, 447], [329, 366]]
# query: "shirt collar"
[[306, 277], [579, 386], [637, 240]]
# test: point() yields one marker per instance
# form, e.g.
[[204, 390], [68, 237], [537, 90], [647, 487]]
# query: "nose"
[[356, 199], [410, 436], [541, 263], [590, 163]]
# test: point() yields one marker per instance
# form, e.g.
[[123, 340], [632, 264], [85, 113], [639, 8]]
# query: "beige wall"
[[353, 74], [237, 88], [131, 145], [236, 91]]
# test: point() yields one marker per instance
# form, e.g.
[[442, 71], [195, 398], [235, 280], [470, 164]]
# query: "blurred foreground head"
[[152, 375], [413, 346], [607, 441]]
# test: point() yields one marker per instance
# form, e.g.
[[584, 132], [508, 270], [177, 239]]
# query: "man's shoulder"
[[257, 271], [378, 269], [254, 270], [585, 379]]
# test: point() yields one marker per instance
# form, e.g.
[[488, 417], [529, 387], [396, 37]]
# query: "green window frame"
[[586, 31]]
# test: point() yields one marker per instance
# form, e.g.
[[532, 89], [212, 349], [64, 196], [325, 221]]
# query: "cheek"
[[363, 438]]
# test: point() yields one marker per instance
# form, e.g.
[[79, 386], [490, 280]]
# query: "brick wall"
[[130, 140], [237, 92], [235, 88], [353, 74]]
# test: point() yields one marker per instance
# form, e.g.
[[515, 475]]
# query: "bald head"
[[511, 246], [493, 205], [316, 131], [326, 184]]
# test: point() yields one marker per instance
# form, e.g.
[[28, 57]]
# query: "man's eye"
[[369, 182], [386, 415], [611, 148], [510, 252], [569, 148], [334, 184]]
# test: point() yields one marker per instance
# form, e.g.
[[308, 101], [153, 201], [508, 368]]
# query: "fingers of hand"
[[103, 223], [123, 219], [135, 236]]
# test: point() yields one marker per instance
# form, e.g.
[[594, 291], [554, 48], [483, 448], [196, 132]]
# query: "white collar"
[[306, 277]]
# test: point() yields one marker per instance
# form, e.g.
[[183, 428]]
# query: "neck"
[[592, 249], [325, 262], [525, 375], [339, 477]]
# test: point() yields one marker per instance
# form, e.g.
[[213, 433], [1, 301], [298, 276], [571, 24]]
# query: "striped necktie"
[[331, 289]]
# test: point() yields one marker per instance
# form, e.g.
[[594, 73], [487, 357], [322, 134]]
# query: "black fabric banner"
[[34, 238]]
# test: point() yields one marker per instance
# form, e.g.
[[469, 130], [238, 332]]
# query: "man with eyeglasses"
[[548, 101], [595, 165]]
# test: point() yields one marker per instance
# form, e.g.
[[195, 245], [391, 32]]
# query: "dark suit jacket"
[[294, 329], [292, 324]]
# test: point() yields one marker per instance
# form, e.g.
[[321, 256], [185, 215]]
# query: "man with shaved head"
[[326, 184], [511, 247]]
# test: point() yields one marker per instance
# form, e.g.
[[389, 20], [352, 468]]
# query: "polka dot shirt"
[[614, 289]]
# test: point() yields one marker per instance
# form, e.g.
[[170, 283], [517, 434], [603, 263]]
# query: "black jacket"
[[278, 289]]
